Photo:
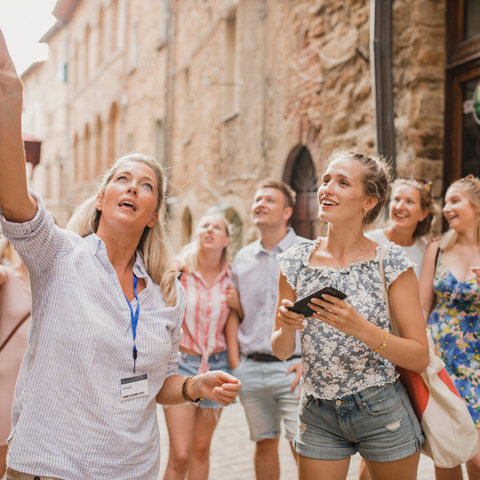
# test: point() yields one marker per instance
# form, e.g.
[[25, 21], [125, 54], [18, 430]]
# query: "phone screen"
[[301, 306]]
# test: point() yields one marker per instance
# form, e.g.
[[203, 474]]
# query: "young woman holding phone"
[[352, 399]]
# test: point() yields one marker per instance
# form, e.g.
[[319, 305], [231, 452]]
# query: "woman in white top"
[[106, 319], [351, 395], [412, 212]]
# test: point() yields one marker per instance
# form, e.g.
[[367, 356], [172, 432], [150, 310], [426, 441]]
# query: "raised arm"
[[427, 295], [16, 204]]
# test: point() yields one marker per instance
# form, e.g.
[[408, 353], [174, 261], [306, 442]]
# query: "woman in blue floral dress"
[[451, 301], [352, 400]]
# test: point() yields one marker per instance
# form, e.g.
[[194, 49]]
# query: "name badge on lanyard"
[[134, 319], [134, 386]]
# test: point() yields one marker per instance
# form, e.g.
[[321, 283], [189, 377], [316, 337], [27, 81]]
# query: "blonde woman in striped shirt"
[[205, 276], [86, 395]]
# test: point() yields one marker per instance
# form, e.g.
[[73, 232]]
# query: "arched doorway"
[[300, 174], [237, 231]]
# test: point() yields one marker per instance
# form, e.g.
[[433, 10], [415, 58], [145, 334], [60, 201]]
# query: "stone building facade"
[[228, 92], [102, 87]]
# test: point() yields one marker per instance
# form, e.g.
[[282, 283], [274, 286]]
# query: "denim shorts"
[[378, 422], [267, 398], [190, 365]]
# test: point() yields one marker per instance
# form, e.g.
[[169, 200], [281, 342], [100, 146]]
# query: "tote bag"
[[450, 434]]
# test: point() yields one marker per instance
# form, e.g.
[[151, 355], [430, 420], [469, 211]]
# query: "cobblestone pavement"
[[231, 456]]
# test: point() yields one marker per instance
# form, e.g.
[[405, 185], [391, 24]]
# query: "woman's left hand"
[[339, 314], [218, 386]]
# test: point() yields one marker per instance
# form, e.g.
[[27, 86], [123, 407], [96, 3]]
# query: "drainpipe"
[[265, 146], [382, 78], [169, 83], [169, 108]]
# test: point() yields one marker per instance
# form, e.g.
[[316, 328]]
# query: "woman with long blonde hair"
[[451, 301], [106, 319], [205, 276]]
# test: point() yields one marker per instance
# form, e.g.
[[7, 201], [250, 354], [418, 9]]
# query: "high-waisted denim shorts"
[[190, 365], [378, 422]]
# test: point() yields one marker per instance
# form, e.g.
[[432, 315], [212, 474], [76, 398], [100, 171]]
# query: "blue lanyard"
[[134, 319]]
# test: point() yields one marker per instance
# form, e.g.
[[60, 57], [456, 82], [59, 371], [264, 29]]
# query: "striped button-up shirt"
[[255, 275], [68, 419], [206, 314]]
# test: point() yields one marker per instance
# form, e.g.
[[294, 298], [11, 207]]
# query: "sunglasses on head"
[[421, 181], [470, 176]]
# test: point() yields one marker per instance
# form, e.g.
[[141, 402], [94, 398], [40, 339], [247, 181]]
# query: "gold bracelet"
[[185, 394], [383, 345]]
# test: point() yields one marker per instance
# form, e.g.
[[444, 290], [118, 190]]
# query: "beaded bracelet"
[[383, 345], [185, 394]]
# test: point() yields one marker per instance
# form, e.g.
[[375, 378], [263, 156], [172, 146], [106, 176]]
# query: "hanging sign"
[[473, 105]]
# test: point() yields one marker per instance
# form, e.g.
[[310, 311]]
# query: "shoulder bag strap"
[[383, 251], [12, 333]]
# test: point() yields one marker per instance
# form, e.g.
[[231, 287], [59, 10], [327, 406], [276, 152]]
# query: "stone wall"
[[419, 77], [298, 74], [112, 102], [300, 82]]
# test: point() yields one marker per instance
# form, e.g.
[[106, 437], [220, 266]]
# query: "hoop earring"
[[365, 216]]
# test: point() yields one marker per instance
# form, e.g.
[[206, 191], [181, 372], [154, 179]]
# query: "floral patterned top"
[[336, 364], [455, 324]]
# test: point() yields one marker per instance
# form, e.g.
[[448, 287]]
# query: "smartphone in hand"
[[301, 306]]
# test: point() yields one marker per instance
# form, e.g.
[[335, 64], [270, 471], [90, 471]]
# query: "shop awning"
[[32, 149]]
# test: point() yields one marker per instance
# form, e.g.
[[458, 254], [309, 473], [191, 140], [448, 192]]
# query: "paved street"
[[232, 451]]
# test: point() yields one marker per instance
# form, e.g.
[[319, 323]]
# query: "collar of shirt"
[[224, 272], [100, 251], [286, 242]]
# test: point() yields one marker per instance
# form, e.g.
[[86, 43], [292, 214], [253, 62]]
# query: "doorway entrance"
[[462, 113], [301, 176]]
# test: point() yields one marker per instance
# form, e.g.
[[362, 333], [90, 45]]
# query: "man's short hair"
[[288, 192]]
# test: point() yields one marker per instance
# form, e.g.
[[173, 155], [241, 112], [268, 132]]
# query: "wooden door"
[[304, 182], [462, 89]]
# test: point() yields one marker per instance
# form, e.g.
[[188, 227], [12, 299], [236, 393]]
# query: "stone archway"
[[237, 232], [300, 174]]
